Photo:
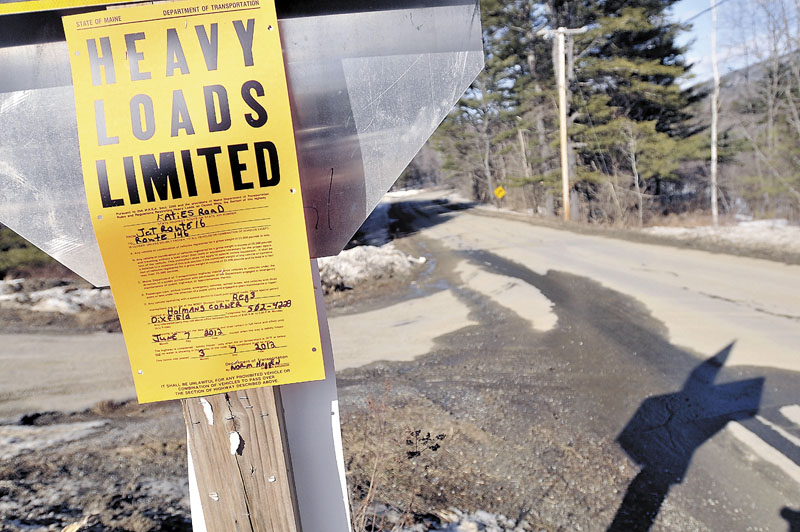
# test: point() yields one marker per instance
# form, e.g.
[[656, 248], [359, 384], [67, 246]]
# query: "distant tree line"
[[638, 142]]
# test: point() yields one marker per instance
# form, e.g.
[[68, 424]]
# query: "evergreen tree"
[[631, 57], [626, 98], [479, 137], [505, 129]]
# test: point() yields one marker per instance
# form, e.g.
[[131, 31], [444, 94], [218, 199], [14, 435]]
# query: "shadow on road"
[[667, 429], [403, 218], [409, 217], [792, 517]]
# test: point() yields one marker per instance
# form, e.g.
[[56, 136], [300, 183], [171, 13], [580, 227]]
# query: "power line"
[[703, 12]]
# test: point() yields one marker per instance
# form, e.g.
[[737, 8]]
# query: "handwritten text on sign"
[[191, 176]]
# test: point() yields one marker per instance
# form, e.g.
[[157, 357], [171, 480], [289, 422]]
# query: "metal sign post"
[[367, 88]]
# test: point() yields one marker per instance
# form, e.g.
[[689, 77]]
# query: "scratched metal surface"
[[367, 89]]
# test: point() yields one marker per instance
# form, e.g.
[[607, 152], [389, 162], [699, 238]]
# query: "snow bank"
[[455, 520], [450, 520], [63, 299], [404, 193], [361, 264], [759, 233], [18, 439]]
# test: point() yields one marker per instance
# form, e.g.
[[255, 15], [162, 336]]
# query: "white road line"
[[765, 450], [792, 413], [791, 437]]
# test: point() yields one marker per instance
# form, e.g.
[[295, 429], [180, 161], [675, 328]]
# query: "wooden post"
[[314, 484], [237, 441]]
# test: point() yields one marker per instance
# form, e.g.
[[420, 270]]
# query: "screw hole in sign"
[[270, 28], [292, 191], [99, 216], [314, 349], [140, 372]]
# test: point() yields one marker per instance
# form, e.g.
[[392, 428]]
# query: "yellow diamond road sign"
[[500, 192]]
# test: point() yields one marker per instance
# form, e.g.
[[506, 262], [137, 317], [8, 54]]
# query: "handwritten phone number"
[[275, 305], [186, 312]]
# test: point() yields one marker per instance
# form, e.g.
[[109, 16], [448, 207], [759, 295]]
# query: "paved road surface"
[[697, 376], [67, 372]]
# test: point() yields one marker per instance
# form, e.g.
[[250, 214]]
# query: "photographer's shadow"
[[666, 430], [792, 517]]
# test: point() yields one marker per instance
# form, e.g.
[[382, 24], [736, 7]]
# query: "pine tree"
[[505, 129], [630, 113], [479, 138]]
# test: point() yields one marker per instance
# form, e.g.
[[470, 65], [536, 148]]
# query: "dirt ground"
[[126, 472], [115, 466], [121, 467]]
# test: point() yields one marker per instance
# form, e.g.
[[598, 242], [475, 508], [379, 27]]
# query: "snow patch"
[[355, 266], [404, 193], [18, 439], [479, 521], [756, 233], [62, 299]]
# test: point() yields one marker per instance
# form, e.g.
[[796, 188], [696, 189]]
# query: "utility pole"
[[561, 80], [714, 114]]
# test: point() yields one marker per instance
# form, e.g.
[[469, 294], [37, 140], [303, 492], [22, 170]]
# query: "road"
[[685, 362], [64, 372], [584, 382]]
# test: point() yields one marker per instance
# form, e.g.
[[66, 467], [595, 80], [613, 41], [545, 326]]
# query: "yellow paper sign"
[[500, 192], [191, 176]]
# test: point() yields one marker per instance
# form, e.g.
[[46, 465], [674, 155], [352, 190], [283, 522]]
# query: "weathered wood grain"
[[242, 461]]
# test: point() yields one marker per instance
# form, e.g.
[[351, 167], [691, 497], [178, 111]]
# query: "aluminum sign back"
[[368, 87]]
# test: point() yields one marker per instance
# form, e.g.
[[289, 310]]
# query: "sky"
[[700, 37]]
